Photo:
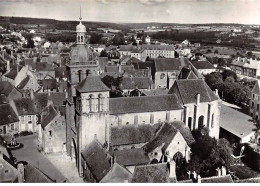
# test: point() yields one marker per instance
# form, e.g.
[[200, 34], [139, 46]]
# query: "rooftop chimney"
[[20, 169], [216, 92], [199, 179], [223, 171], [198, 99], [218, 171]]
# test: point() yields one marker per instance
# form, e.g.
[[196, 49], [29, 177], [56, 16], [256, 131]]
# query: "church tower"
[[81, 32]]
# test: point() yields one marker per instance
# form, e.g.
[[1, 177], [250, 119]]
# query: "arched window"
[[81, 39], [201, 122], [177, 157], [100, 103], [78, 38], [162, 76], [79, 74], [212, 121], [190, 122], [90, 103]]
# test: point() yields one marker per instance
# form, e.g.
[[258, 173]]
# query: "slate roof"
[[13, 72], [60, 72], [256, 89], [217, 179], [202, 65], [153, 173], [117, 174], [131, 134], [96, 160], [25, 106], [7, 115], [164, 137], [188, 89], [47, 115], [92, 84], [136, 82], [41, 101], [170, 64], [131, 157], [49, 84], [158, 47], [23, 82], [143, 104], [102, 61], [184, 130], [34, 175], [126, 48]]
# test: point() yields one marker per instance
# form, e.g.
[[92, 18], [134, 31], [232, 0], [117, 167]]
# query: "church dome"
[[80, 28]]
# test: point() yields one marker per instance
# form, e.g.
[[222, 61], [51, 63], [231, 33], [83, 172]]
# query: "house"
[[155, 173], [52, 135], [255, 101], [245, 67], [201, 105], [155, 51], [60, 74], [49, 85], [117, 174], [130, 158], [169, 142], [167, 71], [9, 121], [29, 82], [138, 53], [10, 92], [15, 75], [129, 84], [26, 111], [8, 173], [95, 163], [204, 67], [241, 131]]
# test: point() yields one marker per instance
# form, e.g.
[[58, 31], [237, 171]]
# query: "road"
[[31, 154]]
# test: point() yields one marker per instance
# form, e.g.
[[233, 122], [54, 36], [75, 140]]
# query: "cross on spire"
[[80, 18]]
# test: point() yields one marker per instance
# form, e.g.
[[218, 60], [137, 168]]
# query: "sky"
[[137, 11]]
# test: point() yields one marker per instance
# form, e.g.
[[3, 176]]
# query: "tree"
[[95, 38], [118, 39], [208, 154], [227, 73], [103, 53]]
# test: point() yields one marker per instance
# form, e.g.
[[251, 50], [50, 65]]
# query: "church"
[[91, 113]]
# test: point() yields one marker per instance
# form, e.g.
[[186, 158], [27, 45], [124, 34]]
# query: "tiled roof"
[[126, 48], [23, 82], [44, 67], [7, 115], [96, 160], [13, 72], [117, 174], [92, 84], [153, 173], [169, 64], [250, 180], [136, 82], [25, 106], [243, 125], [131, 157], [137, 50], [256, 89], [60, 72], [187, 73], [49, 84], [34, 175], [217, 179], [158, 47], [102, 61], [164, 137], [155, 92], [47, 115], [131, 134], [111, 68], [6, 88], [184, 130], [188, 89], [41, 101], [202, 65], [143, 104]]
